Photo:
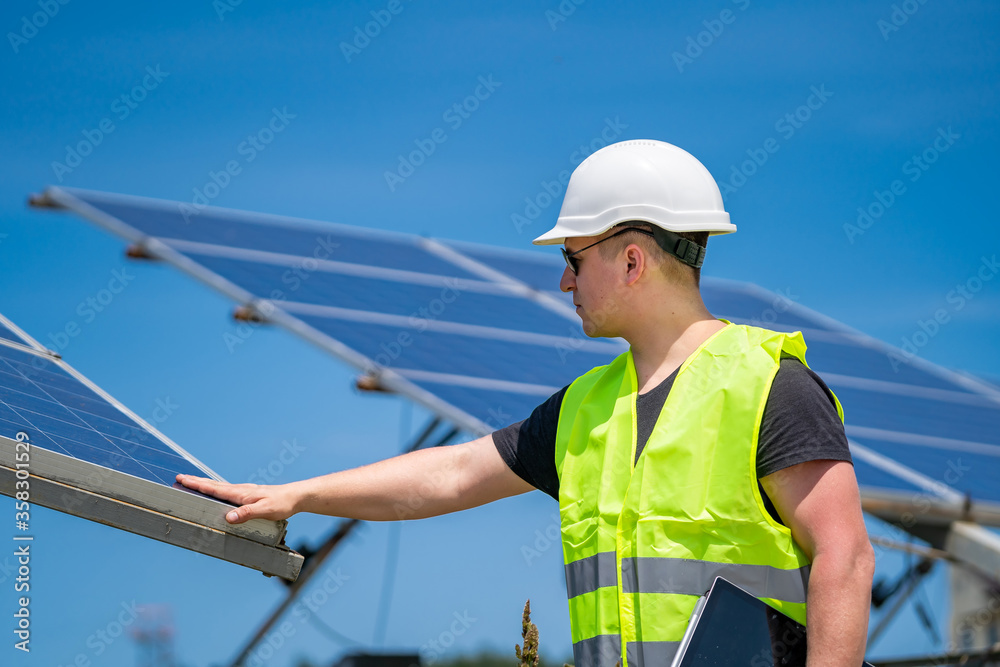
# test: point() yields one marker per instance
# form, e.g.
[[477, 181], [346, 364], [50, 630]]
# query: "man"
[[708, 448]]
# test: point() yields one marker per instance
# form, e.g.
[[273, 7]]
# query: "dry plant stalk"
[[528, 657]]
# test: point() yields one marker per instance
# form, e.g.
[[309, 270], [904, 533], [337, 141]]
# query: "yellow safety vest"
[[642, 542]]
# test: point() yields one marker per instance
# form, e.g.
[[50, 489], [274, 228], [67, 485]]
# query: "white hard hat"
[[646, 180]]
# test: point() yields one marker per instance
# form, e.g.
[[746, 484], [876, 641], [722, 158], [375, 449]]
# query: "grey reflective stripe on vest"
[[695, 577], [599, 651], [651, 654], [588, 574]]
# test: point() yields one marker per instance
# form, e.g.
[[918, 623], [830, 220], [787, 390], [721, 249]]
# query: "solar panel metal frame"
[[939, 504], [141, 506]]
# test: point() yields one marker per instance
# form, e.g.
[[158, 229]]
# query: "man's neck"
[[659, 348]]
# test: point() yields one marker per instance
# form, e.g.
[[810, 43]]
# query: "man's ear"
[[636, 262]]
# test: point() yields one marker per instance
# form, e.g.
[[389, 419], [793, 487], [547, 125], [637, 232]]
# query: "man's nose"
[[568, 281]]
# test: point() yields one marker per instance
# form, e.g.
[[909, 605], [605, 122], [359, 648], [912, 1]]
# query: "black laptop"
[[732, 628]]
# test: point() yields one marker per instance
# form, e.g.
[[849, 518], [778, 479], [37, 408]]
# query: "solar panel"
[[481, 335], [91, 457]]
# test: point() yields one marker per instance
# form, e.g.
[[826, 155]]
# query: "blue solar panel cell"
[[449, 302], [12, 380], [10, 429], [84, 406], [41, 406], [855, 360], [456, 354], [114, 460], [494, 407], [312, 241], [6, 414], [40, 372], [152, 456], [116, 430], [923, 416], [61, 430], [966, 472], [63, 415]]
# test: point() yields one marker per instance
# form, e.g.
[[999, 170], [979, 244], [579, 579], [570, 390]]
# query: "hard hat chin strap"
[[686, 251]]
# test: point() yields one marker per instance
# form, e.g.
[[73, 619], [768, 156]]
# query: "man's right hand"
[[256, 501]]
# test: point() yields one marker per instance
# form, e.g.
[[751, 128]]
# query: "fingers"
[[220, 490], [203, 484], [255, 501], [231, 492], [260, 509], [196, 483]]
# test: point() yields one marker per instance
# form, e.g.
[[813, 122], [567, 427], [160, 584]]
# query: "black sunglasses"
[[686, 251], [573, 263]]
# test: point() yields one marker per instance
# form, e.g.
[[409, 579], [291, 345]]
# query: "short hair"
[[672, 267]]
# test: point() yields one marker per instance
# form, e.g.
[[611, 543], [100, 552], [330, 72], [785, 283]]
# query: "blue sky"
[[885, 97]]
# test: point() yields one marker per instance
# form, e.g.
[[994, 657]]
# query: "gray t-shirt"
[[799, 424]]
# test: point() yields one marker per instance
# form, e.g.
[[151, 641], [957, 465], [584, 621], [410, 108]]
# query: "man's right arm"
[[420, 484]]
